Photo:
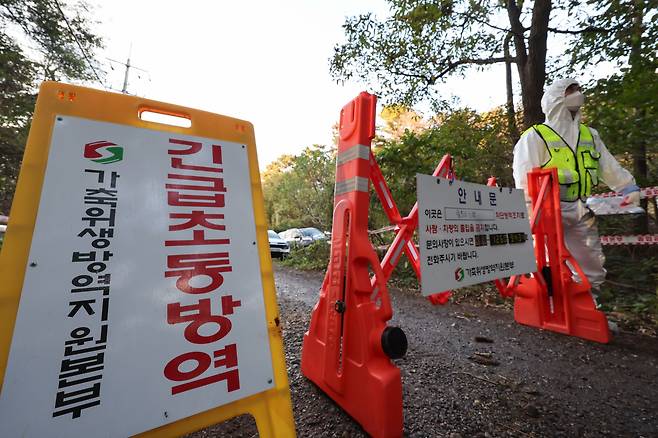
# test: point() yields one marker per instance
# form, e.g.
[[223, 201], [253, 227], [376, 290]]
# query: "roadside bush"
[[314, 257]]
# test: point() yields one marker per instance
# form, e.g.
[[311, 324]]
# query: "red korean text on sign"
[[196, 195]]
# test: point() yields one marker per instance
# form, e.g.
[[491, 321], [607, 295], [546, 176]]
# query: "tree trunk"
[[511, 113], [640, 172], [531, 60], [639, 152]]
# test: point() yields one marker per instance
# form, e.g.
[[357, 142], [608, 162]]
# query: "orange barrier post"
[[348, 346], [405, 226], [551, 299]]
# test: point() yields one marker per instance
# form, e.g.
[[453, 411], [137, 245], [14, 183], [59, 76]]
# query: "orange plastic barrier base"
[[531, 307], [348, 346], [551, 299]]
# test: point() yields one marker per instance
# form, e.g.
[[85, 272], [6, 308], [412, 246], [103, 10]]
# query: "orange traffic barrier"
[[405, 226], [348, 348], [551, 298]]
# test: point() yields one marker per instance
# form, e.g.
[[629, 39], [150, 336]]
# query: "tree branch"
[[413, 75], [511, 114], [20, 22], [486, 23], [514, 15], [468, 61], [589, 29]]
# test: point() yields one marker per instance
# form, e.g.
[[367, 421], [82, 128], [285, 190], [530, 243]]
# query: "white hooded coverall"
[[580, 231]]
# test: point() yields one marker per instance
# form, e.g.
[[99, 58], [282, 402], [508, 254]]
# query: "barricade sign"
[[138, 253], [470, 233]]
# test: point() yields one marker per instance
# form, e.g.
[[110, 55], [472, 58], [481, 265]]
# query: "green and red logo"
[[459, 274], [103, 152]]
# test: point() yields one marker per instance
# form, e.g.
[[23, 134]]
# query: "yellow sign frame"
[[272, 409]]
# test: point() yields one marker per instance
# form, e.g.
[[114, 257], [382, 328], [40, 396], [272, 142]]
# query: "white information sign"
[[143, 299], [470, 233]]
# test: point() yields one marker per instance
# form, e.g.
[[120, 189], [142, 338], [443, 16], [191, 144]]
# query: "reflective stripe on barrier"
[[356, 184], [353, 153]]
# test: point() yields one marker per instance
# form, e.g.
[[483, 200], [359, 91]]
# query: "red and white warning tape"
[[382, 230], [645, 239], [647, 192]]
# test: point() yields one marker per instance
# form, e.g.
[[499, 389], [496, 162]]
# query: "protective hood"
[[558, 116]]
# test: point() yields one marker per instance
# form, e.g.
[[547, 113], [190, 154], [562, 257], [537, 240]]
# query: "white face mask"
[[574, 101]]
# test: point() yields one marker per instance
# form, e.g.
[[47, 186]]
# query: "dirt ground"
[[541, 384]]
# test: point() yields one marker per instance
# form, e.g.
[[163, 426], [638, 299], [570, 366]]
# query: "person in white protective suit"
[[582, 161]]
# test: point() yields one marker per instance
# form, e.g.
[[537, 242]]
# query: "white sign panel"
[[143, 298], [470, 233]]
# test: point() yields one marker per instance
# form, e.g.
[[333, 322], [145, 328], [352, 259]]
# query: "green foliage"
[[61, 45], [478, 142], [36, 43], [632, 271], [420, 43], [622, 31], [299, 189], [480, 146], [313, 257], [624, 108], [407, 55]]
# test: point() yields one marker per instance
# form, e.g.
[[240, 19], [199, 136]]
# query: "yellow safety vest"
[[577, 171]]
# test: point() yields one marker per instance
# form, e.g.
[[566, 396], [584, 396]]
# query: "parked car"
[[279, 248], [3, 226], [302, 236]]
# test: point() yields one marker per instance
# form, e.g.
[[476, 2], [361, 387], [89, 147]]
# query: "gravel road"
[[544, 384]]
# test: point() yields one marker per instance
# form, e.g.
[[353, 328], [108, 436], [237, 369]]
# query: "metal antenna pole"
[[124, 90], [127, 66]]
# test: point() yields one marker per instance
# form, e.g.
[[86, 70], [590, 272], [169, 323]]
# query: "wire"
[[148, 74], [84, 53]]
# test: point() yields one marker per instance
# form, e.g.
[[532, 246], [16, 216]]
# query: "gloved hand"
[[631, 196]]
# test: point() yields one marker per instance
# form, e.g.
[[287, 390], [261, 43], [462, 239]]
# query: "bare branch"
[[484, 22], [470, 61], [589, 29], [413, 75]]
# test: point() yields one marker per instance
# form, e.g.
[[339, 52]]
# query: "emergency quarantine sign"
[[138, 254], [470, 233]]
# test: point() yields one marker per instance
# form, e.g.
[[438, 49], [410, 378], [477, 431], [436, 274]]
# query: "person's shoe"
[[612, 326], [595, 297]]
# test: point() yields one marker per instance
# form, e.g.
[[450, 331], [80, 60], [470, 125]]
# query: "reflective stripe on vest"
[[577, 172]]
